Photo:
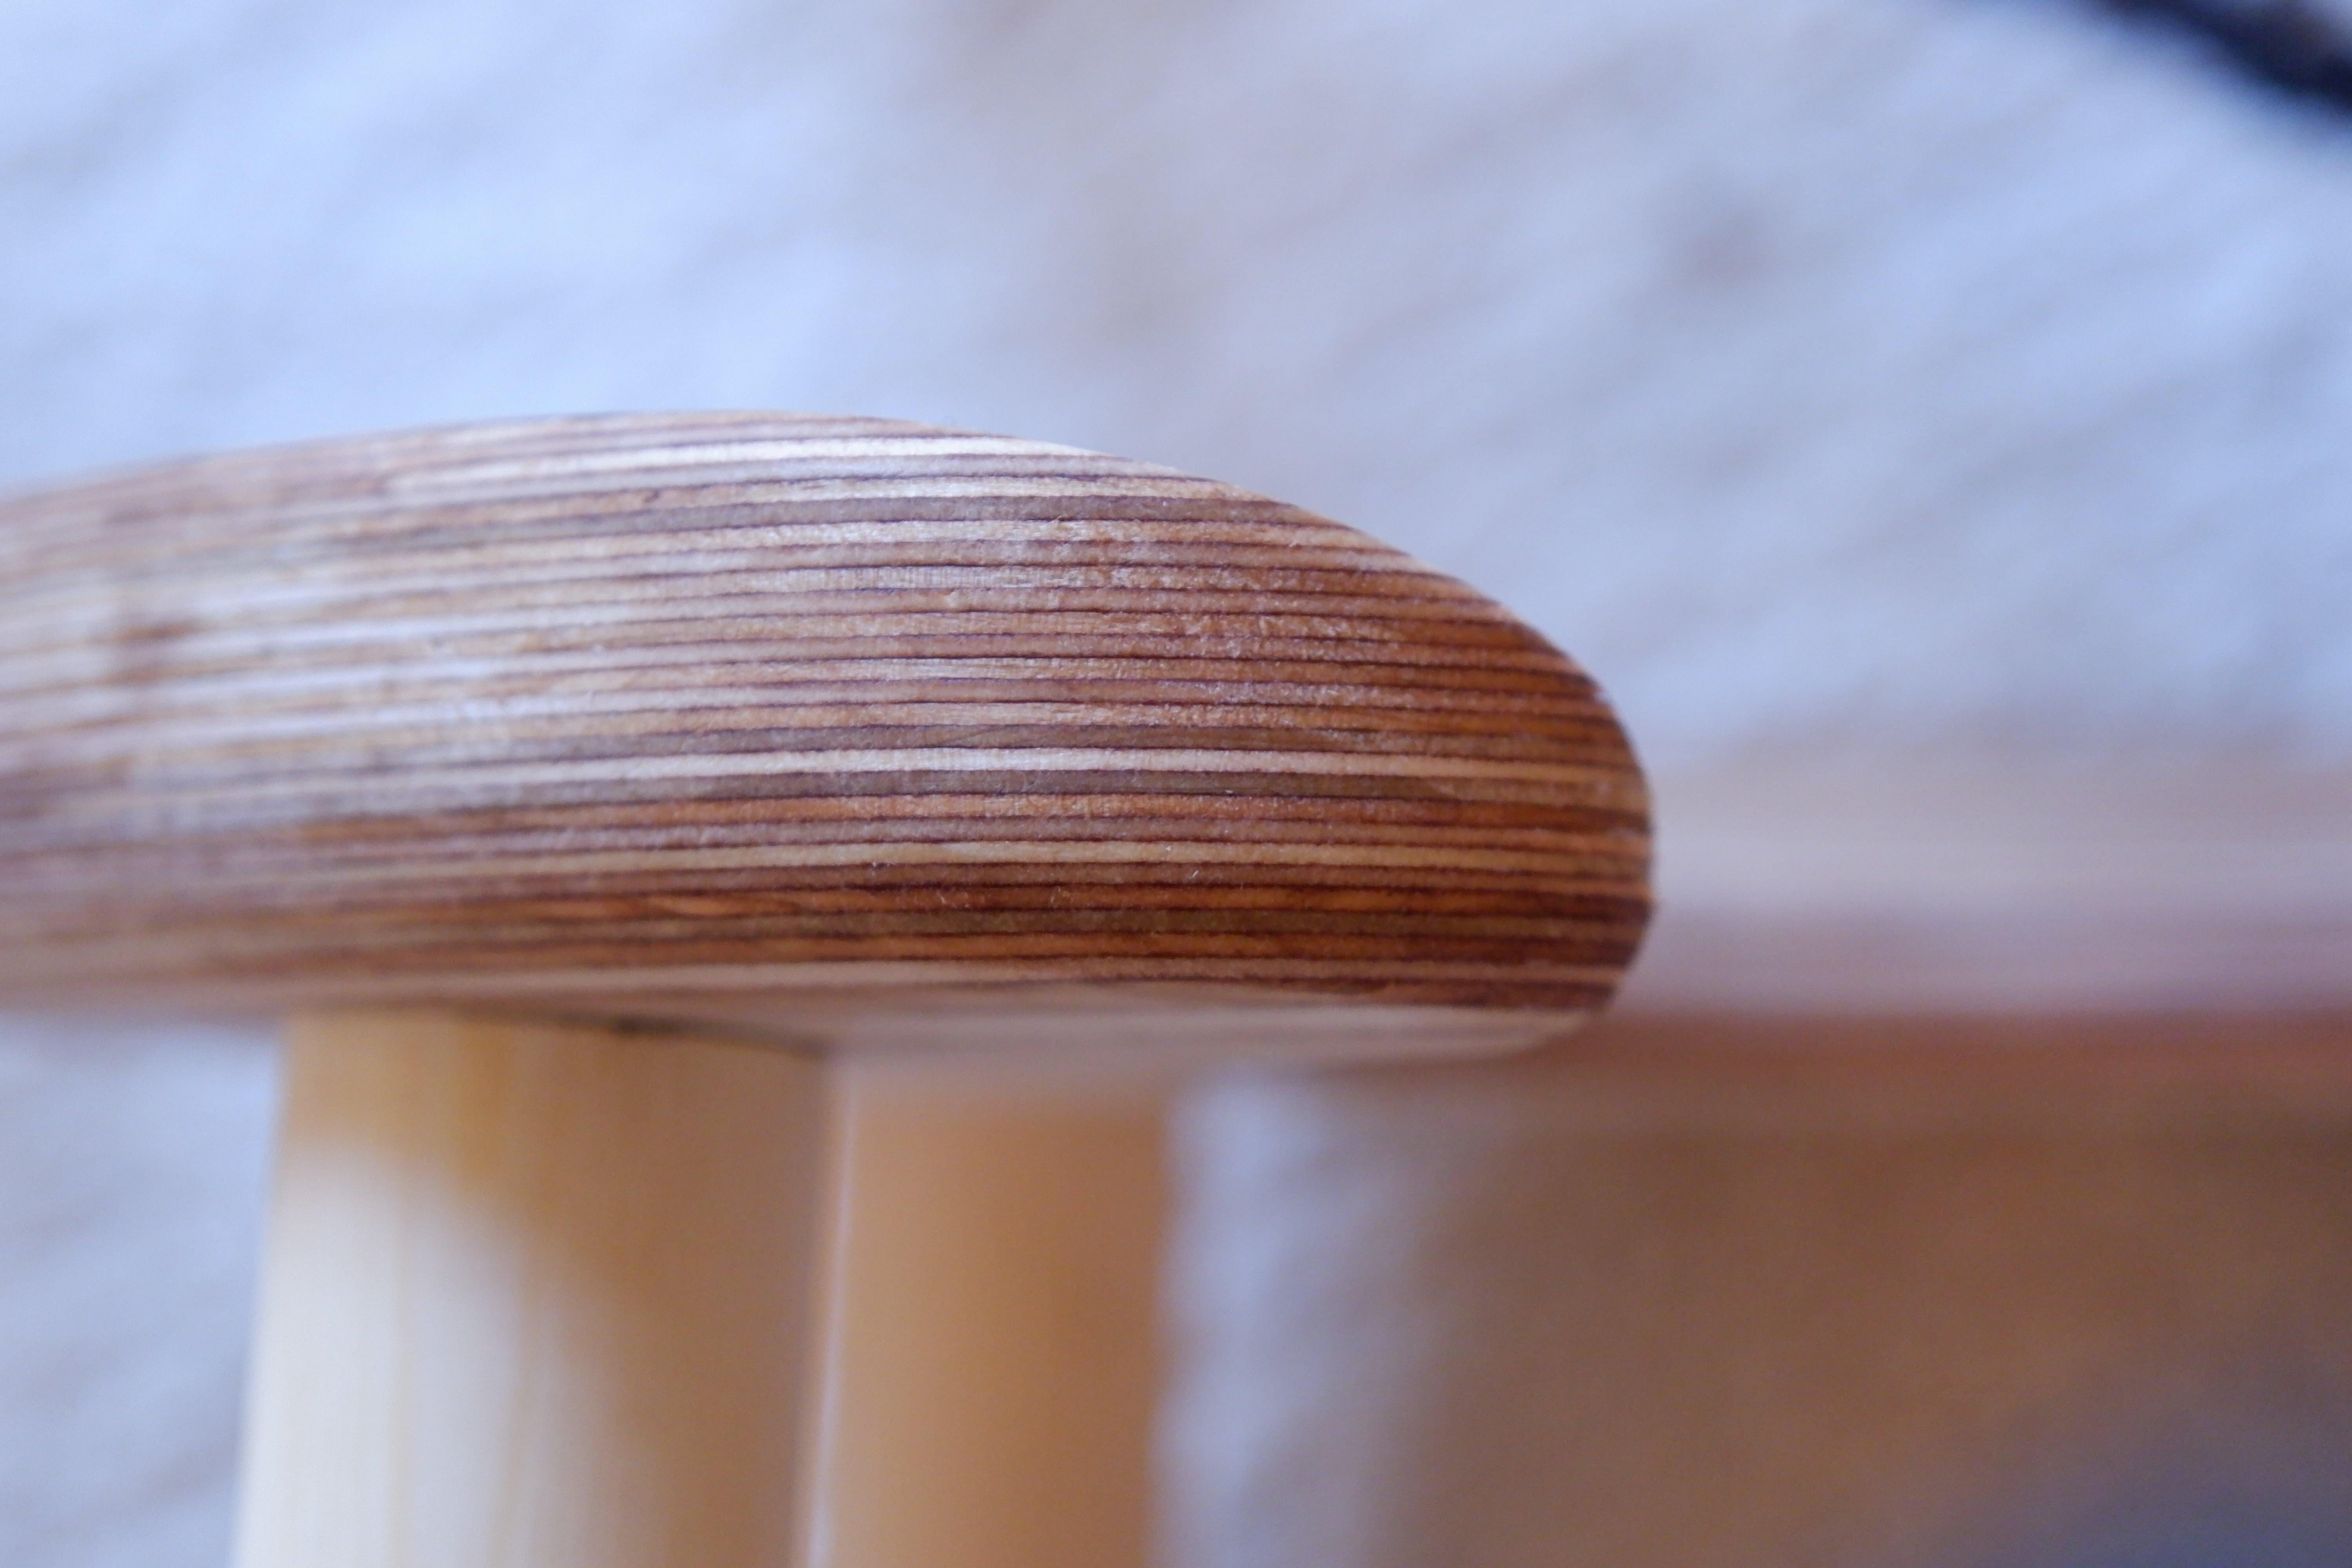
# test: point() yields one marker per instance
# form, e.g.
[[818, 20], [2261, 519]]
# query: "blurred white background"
[[1884, 368], [1882, 374]]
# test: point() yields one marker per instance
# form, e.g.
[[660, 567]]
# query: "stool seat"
[[849, 730], [544, 774]]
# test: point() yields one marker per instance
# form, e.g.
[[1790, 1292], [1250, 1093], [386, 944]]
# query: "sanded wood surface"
[[537, 1295], [994, 1355], [783, 719]]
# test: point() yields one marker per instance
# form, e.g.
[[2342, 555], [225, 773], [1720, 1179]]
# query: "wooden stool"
[[579, 786]]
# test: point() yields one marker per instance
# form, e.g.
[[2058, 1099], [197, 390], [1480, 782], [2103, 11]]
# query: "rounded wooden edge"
[[799, 719]]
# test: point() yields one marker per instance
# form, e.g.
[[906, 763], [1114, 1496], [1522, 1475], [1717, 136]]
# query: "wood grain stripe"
[[798, 716]]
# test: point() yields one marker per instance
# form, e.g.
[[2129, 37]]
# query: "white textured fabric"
[[1883, 371], [130, 1183]]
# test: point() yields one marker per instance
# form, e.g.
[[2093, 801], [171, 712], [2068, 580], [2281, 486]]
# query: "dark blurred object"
[[2296, 45]]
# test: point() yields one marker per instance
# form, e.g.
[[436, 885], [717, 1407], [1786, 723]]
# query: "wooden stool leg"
[[996, 1352], [536, 1295]]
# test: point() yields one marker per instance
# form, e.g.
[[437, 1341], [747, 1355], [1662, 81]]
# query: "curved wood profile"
[[796, 721]]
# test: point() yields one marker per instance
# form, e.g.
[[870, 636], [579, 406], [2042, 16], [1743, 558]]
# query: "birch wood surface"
[[535, 1297], [795, 722], [994, 1358]]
